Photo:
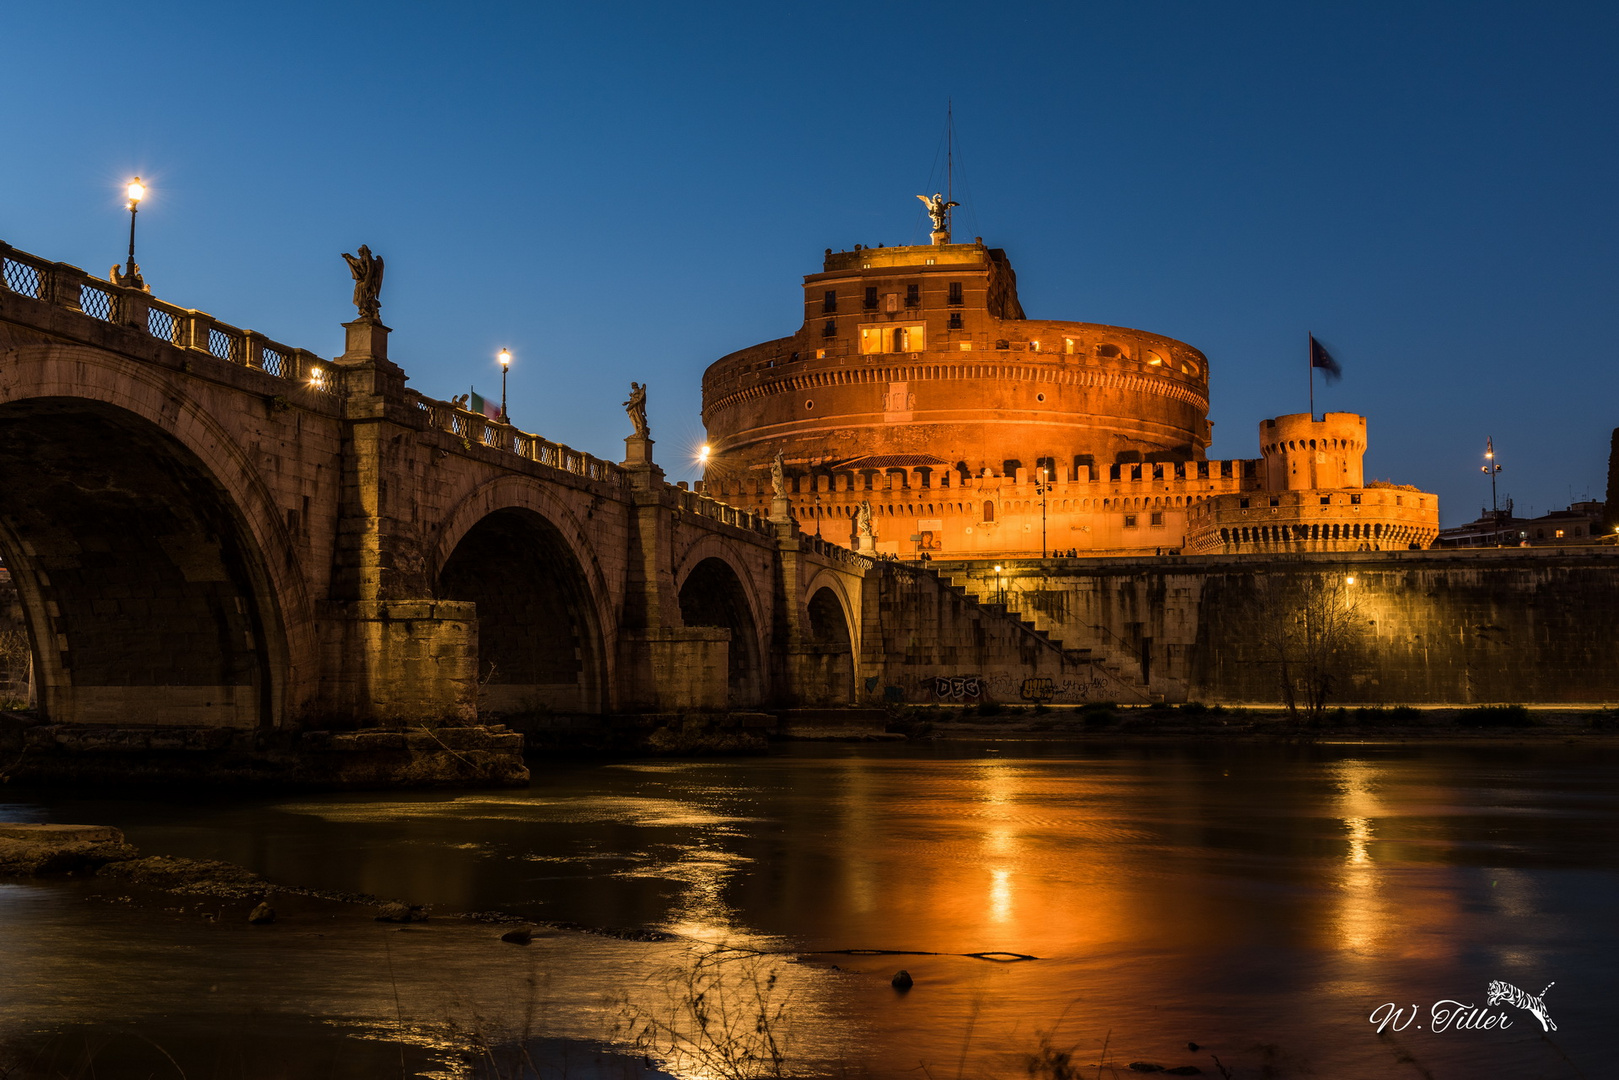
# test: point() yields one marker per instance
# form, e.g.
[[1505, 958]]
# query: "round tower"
[[1306, 454]]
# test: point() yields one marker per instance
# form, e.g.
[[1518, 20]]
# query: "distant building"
[[917, 383], [1581, 523]]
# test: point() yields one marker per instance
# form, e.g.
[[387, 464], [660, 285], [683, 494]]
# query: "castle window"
[[830, 329], [830, 304], [1129, 521], [1276, 500], [1156, 519], [1242, 504], [1355, 499], [955, 292], [1068, 345], [913, 296], [989, 510], [1326, 500], [1111, 352], [893, 339], [871, 298], [1003, 344], [955, 320]]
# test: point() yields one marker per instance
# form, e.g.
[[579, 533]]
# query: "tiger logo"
[[1506, 993]]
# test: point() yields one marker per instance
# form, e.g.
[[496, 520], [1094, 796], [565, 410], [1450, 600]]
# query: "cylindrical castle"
[[922, 357]]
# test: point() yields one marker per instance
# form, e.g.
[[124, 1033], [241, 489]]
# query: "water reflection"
[[1223, 895]]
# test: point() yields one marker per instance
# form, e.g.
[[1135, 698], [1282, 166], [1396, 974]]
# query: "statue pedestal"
[[866, 545], [367, 340], [781, 512], [637, 451]]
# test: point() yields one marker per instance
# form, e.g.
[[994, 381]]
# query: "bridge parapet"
[[72, 289]]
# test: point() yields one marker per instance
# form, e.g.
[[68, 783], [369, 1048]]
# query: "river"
[[1259, 901]]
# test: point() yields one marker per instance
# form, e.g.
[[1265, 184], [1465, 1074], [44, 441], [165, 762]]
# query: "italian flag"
[[479, 404]]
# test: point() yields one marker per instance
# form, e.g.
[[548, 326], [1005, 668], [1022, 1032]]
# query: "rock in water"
[[901, 980], [394, 911], [262, 914], [521, 936]]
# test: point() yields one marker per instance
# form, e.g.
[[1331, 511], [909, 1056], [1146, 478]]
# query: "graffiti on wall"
[[1006, 687]]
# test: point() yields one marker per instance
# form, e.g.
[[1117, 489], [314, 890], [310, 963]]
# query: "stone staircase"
[[1126, 674]]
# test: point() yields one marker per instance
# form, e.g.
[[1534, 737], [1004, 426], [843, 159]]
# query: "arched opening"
[[712, 595], [832, 652], [539, 641], [143, 594]]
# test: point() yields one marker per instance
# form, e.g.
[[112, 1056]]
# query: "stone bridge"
[[206, 527]]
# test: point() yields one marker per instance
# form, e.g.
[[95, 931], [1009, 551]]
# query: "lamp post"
[[136, 192], [505, 358], [1490, 466], [1042, 485], [1000, 586]]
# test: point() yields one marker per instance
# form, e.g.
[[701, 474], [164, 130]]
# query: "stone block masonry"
[[1428, 627]]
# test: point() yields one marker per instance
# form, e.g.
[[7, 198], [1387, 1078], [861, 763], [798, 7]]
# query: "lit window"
[[1035, 345], [1068, 345], [1154, 360], [911, 337], [1559, 534], [1355, 499], [1129, 521], [966, 346]]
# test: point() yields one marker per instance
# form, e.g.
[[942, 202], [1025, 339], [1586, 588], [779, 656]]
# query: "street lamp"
[[1490, 466], [505, 358], [131, 276], [1042, 486], [1000, 586]]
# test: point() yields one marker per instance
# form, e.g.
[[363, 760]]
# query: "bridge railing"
[[71, 289], [477, 429], [836, 552], [696, 503]]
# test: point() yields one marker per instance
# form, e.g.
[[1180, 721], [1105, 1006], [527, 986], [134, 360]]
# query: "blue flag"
[[1321, 358]]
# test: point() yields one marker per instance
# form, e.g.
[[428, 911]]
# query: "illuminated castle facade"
[[917, 384]]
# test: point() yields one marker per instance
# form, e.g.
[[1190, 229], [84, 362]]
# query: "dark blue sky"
[[630, 191]]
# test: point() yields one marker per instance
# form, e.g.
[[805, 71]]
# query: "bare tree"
[[1310, 628]]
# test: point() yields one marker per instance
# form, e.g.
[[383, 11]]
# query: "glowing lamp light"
[[317, 377], [136, 190], [1350, 580], [703, 452]]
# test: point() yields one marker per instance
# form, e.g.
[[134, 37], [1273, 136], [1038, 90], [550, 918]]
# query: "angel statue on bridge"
[[636, 407], [778, 481], [862, 519], [366, 269]]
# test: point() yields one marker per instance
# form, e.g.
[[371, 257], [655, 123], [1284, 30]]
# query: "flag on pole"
[[479, 404], [1321, 358]]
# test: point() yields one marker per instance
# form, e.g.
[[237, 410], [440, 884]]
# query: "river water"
[[1260, 901]]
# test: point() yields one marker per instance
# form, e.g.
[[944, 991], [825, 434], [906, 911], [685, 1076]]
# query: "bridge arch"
[[715, 591], [158, 581], [517, 551], [832, 663]]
